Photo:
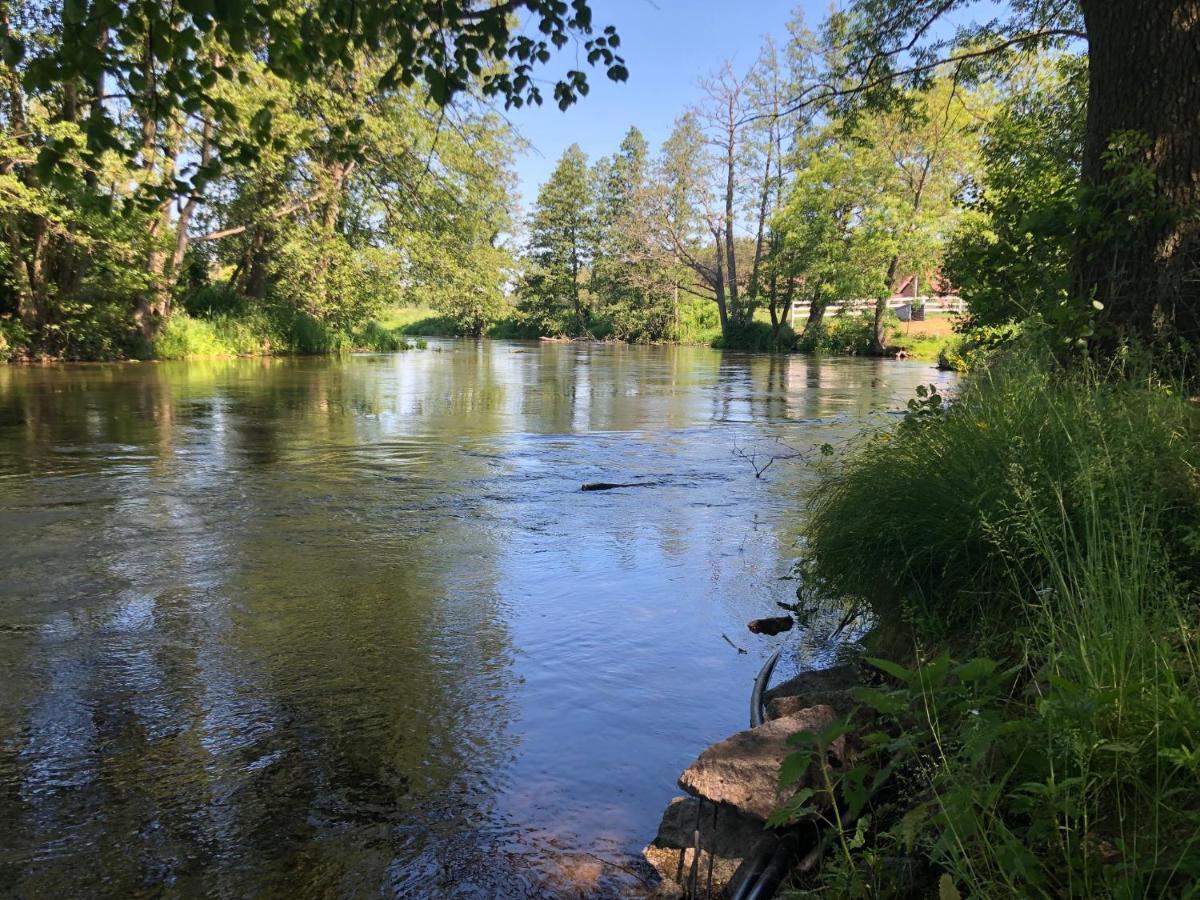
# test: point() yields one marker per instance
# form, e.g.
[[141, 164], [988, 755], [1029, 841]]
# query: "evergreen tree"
[[561, 247]]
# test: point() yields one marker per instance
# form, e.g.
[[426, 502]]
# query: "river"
[[349, 627]]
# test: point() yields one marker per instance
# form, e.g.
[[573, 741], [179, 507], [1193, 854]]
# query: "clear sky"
[[668, 46]]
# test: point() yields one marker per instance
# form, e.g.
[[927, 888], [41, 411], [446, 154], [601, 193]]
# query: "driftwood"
[[610, 486], [771, 626]]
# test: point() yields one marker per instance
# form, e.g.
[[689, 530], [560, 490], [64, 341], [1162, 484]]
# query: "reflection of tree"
[[273, 665]]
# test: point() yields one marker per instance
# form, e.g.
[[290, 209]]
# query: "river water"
[[349, 627]]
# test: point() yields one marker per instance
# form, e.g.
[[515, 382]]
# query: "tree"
[[629, 275], [1011, 255], [154, 53], [722, 118], [838, 228], [692, 221], [561, 247], [1139, 253], [926, 149]]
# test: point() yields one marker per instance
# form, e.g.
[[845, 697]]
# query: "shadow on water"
[[348, 626]]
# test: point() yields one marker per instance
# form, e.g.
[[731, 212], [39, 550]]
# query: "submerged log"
[[612, 486]]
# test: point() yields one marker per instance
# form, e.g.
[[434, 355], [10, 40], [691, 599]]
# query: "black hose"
[[760, 685]]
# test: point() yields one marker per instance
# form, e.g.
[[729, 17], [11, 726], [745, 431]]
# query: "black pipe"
[[760, 685]]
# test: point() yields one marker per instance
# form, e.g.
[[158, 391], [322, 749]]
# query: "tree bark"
[[719, 288], [730, 185], [879, 335], [1144, 67]]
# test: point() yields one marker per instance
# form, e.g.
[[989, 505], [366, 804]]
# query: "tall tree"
[[926, 149], [1139, 256], [629, 275], [690, 211], [722, 115], [561, 246]]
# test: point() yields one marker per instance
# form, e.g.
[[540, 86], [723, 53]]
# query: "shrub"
[[942, 506], [846, 333], [970, 349], [699, 322], [1043, 527], [757, 337], [182, 337]]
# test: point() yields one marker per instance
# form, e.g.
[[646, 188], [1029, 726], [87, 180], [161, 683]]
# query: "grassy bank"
[[1029, 554], [188, 337], [697, 324]]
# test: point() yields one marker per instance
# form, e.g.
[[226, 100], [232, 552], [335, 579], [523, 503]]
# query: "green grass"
[[185, 336], [1046, 522]]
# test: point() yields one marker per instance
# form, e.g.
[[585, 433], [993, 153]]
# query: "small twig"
[[731, 643], [752, 457]]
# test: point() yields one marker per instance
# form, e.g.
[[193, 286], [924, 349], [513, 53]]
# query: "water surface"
[[347, 627]]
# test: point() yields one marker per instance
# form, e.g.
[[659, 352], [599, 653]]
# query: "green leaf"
[[975, 669], [947, 889], [896, 670]]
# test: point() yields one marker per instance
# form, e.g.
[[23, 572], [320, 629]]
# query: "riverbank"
[[698, 326], [1028, 726], [283, 331]]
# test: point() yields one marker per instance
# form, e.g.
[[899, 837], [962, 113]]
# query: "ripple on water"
[[349, 626]]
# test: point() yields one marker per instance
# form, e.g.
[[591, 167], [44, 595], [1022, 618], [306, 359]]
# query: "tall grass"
[[185, 336], [1047, 520]]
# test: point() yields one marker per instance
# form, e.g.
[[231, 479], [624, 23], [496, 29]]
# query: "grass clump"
[[1029, 552], [280, 331]]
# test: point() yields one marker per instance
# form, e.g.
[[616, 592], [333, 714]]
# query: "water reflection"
[[348, 626]]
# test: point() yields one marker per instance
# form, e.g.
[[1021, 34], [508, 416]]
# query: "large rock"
[[821, 687], [726, 838], [743, 770]]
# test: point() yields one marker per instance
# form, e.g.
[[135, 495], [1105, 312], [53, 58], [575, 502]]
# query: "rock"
[[722, 829], [726, 838], [822, 687], [743, 770], [771, 626]]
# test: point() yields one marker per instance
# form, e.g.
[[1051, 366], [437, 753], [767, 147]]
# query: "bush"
[[846, 333], [278, 331], [756, 337], [972, 348], [1044, 528], [943, 506], [699, 322]]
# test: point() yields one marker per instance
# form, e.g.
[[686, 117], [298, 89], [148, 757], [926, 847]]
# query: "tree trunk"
[[730, 249], [816, 313], [879, 334], [764, 198], [1144, 66], [719, 288]]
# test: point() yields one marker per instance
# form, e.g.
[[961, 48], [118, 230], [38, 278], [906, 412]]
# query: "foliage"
[[757, 337], [161, 54], [971, 349], [846, 333], [1020, 528], [1011, 256], [1022, 433], [561, 248], [276, 331], [225, 181]]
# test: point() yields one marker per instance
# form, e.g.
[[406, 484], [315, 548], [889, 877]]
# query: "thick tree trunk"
[[1144, 65], [879, 334], [816, 313]]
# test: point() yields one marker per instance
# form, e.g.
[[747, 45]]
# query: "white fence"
[[933, 306]]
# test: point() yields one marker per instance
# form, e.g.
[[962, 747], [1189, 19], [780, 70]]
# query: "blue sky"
[[668, 45]]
